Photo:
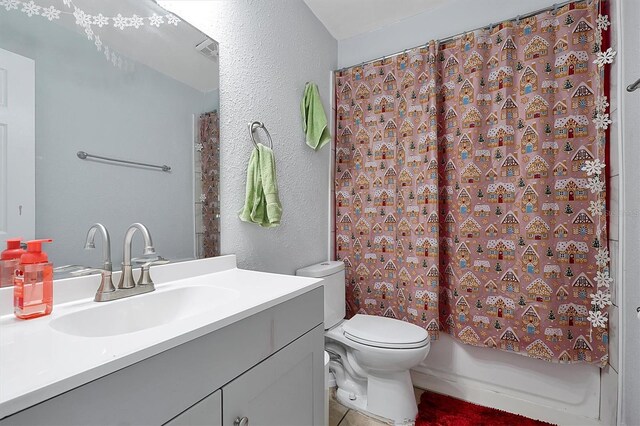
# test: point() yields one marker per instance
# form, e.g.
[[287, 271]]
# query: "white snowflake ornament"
[[30, 9], [593, 167], [50, 13], [156, 20], [10, 4], [602, 22], [600, 299], [173, 20], [596, 207], [203, 198], [136, 21], [100, 20], [199, 147], [119, 22], [604, 58], [602, 104], [603, 279], [597, 319], [602, 258], [602, 121], [595, 185]]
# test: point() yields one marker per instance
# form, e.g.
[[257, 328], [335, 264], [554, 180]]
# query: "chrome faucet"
[[126, 279], [106, 284], [127, 285]]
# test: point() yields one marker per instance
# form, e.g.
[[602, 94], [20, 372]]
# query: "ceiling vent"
[[208, 48]]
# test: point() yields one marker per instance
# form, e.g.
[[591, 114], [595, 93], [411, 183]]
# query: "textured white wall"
[[268, 50]]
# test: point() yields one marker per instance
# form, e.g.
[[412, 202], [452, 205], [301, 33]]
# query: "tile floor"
[[339, 415]]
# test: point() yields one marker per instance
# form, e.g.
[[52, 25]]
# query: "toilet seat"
[[384, 332]]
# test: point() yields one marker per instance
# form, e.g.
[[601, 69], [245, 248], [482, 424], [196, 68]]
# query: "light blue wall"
[[85, 103], [451, 17]]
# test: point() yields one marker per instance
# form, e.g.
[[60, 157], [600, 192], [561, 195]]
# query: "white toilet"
[[370, 356]]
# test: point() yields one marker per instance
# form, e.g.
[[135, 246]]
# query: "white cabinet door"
[[17, 146], [286, 389], [207, 412]]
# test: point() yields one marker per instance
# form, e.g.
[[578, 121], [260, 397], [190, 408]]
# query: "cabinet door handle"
[[244, 421]]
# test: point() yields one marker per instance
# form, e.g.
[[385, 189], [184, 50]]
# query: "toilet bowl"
[[370, 356]]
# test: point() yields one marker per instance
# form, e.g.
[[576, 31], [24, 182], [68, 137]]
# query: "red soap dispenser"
[[9, 261], [33, 283]]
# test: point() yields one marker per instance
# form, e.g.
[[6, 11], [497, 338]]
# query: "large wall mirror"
[[120, 79]]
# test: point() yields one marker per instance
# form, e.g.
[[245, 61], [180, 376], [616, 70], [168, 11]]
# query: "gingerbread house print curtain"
[[470, 195]]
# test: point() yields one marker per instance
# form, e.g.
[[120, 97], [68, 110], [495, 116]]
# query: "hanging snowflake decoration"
[[203, 198], [602, 104], [199, 147], [30, 9], [597, 319], [605, 58], [98, 43], [595, 185], [600, 299], [593, 167], [596, 207], [10, 4], [602, 121], [602, 22], [50, 13], [100, 20], [89, 32], [602, 258], [66, 3], [156, 20], [136, 21], [603, 279], [173, 20], [119, 22]]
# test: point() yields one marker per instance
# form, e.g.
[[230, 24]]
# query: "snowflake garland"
[[83, 19], [87, 21]]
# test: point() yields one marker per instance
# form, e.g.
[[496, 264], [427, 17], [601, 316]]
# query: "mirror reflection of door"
[[17, 142]]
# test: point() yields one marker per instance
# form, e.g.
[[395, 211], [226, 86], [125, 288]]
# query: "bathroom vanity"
[[213, 345]]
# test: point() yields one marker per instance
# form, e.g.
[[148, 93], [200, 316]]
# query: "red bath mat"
[[442, 410]]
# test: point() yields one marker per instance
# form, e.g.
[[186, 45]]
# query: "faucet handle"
[[145, 275]]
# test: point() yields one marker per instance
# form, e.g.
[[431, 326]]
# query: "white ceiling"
[[347, 18], [169, 49]]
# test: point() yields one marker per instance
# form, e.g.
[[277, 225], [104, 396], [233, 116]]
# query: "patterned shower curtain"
[[470, 189]]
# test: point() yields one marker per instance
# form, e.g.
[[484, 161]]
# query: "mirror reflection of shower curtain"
[[207, 186]]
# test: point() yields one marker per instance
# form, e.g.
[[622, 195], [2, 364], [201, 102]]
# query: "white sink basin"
[[142, 312]]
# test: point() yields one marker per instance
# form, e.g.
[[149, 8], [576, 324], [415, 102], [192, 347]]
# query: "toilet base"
[[389, 398]]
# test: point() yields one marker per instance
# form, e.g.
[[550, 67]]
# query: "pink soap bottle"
[[33, 283], [9, 261]]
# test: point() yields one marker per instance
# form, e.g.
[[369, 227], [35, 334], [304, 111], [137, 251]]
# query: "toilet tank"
[[332, 274]]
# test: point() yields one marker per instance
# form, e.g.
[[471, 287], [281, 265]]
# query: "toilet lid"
[[385, 332]]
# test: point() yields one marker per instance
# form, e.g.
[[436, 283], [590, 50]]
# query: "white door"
[[17, 146]]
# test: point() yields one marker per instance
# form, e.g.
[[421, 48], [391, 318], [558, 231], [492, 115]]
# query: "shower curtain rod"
[[554, 6]]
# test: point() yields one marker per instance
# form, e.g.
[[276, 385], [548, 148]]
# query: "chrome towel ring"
[[259, 125]]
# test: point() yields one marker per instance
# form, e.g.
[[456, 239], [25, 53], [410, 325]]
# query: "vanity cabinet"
[[267, 367]]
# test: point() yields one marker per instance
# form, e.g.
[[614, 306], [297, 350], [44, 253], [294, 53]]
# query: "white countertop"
[[38, 362]]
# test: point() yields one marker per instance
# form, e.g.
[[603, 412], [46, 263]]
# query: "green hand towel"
[[262, 204], [314, 120]]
